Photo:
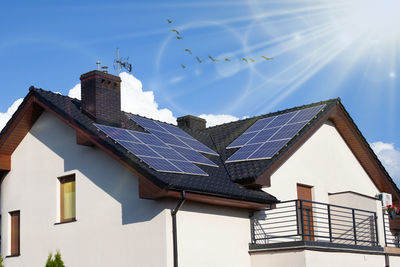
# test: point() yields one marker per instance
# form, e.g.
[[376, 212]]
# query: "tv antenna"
[[122, 62]]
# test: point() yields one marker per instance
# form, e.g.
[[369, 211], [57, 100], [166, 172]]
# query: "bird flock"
[[212, 59]]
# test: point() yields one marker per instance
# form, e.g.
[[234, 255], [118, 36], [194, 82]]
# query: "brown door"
[[305, 209]]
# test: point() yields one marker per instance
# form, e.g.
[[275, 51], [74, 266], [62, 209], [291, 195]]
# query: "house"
[[296, 187]]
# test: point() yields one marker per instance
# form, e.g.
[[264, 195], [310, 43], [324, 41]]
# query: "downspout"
[[174, 231]]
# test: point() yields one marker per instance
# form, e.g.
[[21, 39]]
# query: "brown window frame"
[[63, 180], [15, 248]]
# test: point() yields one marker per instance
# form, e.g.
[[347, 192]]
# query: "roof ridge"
[[274, 113]]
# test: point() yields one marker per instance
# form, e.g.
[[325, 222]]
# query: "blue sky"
[[347, 49]]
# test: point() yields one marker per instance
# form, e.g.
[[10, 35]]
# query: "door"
[[304, 193]]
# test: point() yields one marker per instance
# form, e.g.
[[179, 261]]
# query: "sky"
[[320, 50]]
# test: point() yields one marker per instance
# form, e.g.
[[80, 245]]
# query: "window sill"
[[13, 256], [69, 221]]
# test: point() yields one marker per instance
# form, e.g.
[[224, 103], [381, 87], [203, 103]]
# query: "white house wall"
[[114, 227], [325, 162]]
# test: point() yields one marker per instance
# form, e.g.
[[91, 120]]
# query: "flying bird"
[[188, 50], [252, 60], [245, 60], [179, 38], [169, 21], [183, 66], [199, 60], [213, 59], [176, 31], [227, 59], [267, 58]]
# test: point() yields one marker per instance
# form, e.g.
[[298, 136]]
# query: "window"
[[15, 232], [67, 198]]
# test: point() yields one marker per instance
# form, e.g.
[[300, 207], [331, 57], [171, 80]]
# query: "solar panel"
[[172, 135], [154, 152], [267, 136], [148, 139], [194, 156]]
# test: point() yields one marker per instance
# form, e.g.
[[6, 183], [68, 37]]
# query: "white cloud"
[[135, 100], [213, 120], [4, 117], [390, 158]]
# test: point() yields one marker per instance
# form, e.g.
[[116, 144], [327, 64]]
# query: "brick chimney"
[[192, 122], [101, 97]]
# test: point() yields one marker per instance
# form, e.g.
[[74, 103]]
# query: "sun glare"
[[378, 18]]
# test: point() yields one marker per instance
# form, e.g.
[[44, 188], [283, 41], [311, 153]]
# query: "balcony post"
[[376, 229], [330, 223], [253, 237], [296, 206], [301, 219], [354, 227], [384, 226]]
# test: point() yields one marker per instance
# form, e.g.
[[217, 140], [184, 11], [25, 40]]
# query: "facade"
[[68, 186]]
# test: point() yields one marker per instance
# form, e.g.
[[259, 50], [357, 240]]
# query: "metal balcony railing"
[[314, 221]]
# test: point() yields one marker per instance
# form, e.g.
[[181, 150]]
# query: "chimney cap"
[[192, 122], [100, 74]]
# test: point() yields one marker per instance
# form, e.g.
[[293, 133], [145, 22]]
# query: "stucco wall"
[[114, 227], [325, 162], [213, 236], [310, 258]]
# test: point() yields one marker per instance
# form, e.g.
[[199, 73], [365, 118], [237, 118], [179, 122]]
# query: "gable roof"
[[224, 182], [216, 184]]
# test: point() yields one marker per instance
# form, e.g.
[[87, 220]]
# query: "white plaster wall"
[[213, 236], [334, 259], [309, 258], [325, 162], [114, 227], [278, 259]]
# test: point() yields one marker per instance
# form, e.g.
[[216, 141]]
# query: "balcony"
[[307, 223]]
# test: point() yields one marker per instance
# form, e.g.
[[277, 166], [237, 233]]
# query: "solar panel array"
[[172, 135], [267, 136], [162, 152]]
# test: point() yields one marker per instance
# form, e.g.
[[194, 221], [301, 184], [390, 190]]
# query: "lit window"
[[67, 198]]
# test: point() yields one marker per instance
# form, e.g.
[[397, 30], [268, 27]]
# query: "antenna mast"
[[122, 62], [118, 61]]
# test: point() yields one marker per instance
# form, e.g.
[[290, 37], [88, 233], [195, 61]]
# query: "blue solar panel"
[[187, 167], [168, 153], [267, 136], [196, 145], [116, 133], [263, 136], [146, 123], [243, 139], [153, 151], [259, 125], [148, 139], [281, 119], [243, 153], [138, 149], [172, 135], [306, 114], [160, 164], [174, 130], [288, 131], [169, 139], [194, 156], [268, 150]]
